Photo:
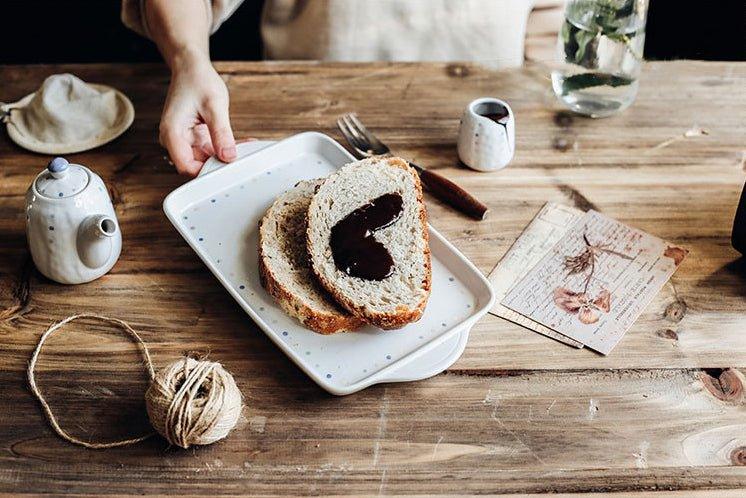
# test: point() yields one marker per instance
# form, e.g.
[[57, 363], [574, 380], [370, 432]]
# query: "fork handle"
[[450, 193]]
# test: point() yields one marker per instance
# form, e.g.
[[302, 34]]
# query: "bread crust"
[[323, 323], [404, 315]]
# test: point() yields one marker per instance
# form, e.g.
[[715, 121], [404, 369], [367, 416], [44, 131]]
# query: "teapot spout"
[[94, 240]]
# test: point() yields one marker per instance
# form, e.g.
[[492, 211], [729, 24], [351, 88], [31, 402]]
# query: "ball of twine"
[[189, 402], [193, 402]]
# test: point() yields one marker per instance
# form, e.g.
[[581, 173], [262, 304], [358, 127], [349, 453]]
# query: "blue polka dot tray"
[[218, 215]]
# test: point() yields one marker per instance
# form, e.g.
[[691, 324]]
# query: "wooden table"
[[517, 413]]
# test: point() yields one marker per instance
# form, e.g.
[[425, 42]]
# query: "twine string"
[[48, 410]]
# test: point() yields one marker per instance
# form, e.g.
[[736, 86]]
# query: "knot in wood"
[[457, 70], [669, 334], [675, 311], [561, 144], [563, 119], [724, 384], [738, 456]]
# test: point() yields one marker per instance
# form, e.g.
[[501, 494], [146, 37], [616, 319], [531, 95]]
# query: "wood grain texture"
[[517, 413]]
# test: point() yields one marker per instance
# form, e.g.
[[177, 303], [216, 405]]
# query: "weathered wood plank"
[[532, 431], [719, 493], [700, 339]]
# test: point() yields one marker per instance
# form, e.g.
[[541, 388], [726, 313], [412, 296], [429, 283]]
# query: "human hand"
[[195, 123]]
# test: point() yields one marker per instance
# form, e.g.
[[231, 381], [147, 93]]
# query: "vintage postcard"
[[594, 283], [537, 239]]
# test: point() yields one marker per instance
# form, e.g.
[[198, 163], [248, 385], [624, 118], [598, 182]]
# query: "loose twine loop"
[[188, 402]]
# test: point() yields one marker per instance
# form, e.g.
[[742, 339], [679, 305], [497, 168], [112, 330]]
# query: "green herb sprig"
[[607, 18]]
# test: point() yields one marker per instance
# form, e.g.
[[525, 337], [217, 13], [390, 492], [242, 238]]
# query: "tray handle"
[[431, 363], [243, 149]]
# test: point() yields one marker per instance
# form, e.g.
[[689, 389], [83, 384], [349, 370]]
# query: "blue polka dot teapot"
[[71, 226]]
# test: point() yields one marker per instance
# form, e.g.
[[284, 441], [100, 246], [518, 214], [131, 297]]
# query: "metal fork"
[[366, 144]]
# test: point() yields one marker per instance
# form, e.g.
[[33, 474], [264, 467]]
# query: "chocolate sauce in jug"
[[356, 252], [499, 115]]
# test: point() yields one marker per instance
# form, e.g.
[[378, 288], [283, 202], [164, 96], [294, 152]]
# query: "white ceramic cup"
[[486, 140]]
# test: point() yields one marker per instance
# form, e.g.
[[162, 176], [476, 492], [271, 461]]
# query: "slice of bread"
[[401, 297], [284, 267]]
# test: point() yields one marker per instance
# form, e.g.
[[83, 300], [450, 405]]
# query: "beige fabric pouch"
[[67, 115]]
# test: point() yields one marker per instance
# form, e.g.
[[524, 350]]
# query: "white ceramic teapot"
[[71, 227]]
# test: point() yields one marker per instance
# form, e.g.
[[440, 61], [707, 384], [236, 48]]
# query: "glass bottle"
[[600, 49]]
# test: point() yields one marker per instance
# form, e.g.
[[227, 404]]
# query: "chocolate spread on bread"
[[356, 251]]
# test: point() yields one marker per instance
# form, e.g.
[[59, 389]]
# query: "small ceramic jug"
[[71, 227], [486, 140]]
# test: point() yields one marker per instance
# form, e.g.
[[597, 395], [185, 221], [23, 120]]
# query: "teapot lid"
[[61, 179]]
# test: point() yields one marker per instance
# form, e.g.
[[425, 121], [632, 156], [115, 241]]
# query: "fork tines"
[[358, 136]]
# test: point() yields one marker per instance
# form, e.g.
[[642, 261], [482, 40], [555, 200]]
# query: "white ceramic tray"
[[428, 364], [218, 215]]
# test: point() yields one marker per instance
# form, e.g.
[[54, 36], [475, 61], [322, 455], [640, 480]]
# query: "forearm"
[[180, 29]]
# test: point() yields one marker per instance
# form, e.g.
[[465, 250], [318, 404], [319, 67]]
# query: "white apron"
[[491, 31]]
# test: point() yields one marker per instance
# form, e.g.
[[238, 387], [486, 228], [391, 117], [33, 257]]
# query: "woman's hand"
[[195, 123]]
